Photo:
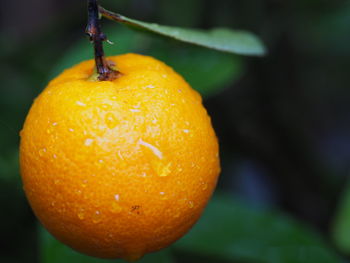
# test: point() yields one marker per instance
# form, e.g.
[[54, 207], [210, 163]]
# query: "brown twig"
[[93, 29]]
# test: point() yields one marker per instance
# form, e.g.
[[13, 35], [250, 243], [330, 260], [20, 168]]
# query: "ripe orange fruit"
[[116, 169]]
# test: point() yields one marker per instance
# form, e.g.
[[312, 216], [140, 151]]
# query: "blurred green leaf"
[[341, 224], [9, 170], [53, 251], [230, 230], [221, 39], [207, 71], [326, 32]]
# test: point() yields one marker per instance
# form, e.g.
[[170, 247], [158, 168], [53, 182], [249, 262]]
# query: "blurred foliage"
[[284, 119], [341, 223], [243, 233]]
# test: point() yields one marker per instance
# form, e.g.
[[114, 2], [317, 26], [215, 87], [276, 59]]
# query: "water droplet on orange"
[[164, 170], [179, 169], [42, 151], [84, 183], [111, 120], [204, 186], [133, 257], [163, 196], [96, 217], [81, 214], [116, 207], [88, 142]]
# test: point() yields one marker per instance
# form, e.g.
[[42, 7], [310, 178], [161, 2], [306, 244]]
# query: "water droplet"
[[88, 142], [186, 131], [42, 151], [134, 110], [154, 121], [120, 155], [149, 87], [165, 171], [71, 130], [154, 149], [54, 156], [116, 197], [143, 174], [132, 257], [54, 124], [105, 106], [190, 204], [81, 213], [116, 207], [163, 196], [80, 103], [78, 191], [53, 204], [109, 238], [111, 120], [100, 161], [84, 183], [61, 210], [96, 217], [204, 186]]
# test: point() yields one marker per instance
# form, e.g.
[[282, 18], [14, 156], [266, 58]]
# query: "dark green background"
[[283, 122]]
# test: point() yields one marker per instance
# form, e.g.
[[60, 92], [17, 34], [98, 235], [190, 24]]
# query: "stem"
[[93, 29]]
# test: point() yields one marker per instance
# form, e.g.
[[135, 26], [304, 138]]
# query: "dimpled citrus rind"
[[117, 169]]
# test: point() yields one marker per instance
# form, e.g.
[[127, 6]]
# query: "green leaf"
[[53, 251], [341, 224], [207, 71], [221, 39], [231, 230]]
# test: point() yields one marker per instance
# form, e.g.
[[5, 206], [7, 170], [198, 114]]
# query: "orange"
[[117, 169]]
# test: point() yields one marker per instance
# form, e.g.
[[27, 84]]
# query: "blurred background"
[[283, 122]]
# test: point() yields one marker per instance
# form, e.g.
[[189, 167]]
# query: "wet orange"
[[117, 169]]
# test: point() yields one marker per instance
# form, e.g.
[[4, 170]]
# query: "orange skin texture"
[[117, 169]]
